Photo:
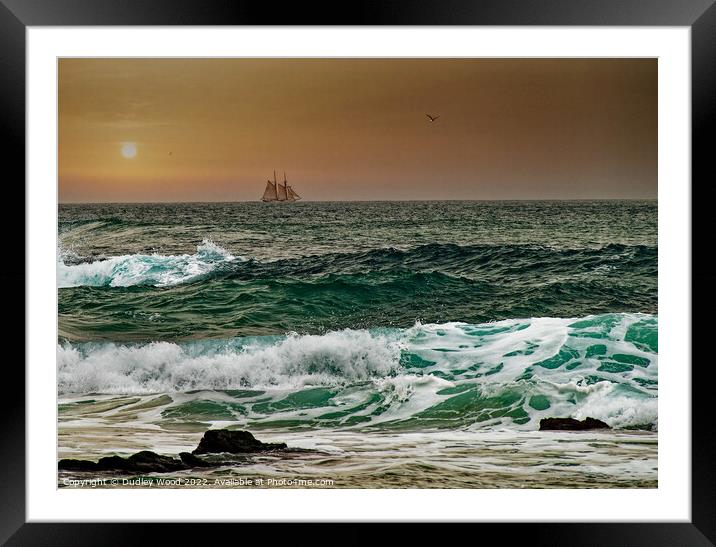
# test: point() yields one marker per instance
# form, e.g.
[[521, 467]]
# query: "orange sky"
[[355, 129]]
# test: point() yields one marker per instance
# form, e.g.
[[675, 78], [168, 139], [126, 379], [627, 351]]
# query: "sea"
[[392, 344]]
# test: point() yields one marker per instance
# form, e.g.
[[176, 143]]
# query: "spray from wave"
[[139, 269], [285, 362]]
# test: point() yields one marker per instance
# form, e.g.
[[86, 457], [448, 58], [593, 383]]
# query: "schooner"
[[279, 192]]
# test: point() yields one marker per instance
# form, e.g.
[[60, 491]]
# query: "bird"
[[432, 118]]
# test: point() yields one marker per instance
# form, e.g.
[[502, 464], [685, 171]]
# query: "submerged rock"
[[234, 442], [570, 424]]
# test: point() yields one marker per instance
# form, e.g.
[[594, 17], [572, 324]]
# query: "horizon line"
[[357, 201]]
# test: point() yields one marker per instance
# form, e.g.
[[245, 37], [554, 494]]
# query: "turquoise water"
[[362, 316]]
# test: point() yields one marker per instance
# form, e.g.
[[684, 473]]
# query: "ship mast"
[[289, 192], [292, 196], [282, 195]]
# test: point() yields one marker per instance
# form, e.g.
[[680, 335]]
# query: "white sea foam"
[[138, 269], [295, 361], [620, 411]]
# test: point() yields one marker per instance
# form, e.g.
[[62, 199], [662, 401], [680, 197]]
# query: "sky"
[[147, 130]]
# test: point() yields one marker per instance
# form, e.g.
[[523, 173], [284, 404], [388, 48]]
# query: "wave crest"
[[139, 269], [291, 362]]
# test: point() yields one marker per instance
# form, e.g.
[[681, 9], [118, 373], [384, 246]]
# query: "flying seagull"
[[432, 118]]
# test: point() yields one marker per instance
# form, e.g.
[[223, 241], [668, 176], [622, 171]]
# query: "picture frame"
[[700, 16]]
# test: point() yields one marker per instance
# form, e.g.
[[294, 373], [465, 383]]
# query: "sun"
[[129, 150]]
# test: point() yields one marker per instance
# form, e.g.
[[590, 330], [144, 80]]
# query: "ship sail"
[[270, 192], [290, 194], [293, 196], [282, 196]]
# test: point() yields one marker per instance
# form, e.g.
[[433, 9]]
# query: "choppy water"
[[360, 319]]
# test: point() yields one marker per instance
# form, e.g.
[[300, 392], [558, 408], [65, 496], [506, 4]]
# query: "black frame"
[[15, 15]]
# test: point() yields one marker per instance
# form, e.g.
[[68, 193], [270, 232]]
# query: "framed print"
[[429, 264]]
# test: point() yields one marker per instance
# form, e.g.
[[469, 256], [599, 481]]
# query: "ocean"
[[402, 344]]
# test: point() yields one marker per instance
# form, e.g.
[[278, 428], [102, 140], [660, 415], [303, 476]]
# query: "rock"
[[234, 442], [149, 461], [76, 465], [570, 424], [141, 462], [213, 441], [194, 461], [114, 463]]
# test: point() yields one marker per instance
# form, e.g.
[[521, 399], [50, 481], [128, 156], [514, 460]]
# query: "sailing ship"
[[279, 192]]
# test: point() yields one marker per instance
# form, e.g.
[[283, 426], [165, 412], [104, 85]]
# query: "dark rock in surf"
[[194, 461], [213, 441], [234, 442], [570, 424], [149, 461], [76, 465], [141, 462], [114, 463]]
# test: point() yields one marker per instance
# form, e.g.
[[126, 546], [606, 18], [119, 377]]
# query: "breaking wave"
[[504, 374], [141, 269]]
